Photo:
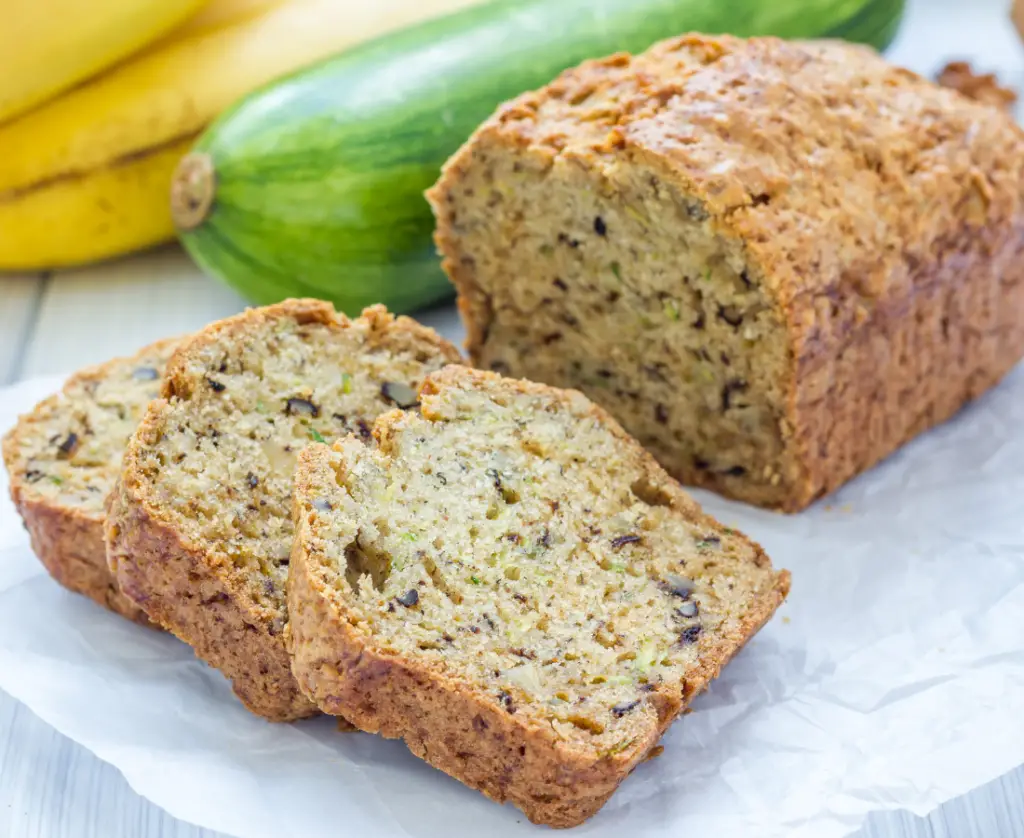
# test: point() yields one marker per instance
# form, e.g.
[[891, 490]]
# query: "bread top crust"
[[212, 461], [66, 453], [512, 540], [836, 172]]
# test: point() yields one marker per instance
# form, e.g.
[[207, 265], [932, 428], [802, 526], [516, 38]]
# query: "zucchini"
[[314, 185]]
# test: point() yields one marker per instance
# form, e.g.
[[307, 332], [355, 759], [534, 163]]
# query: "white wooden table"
[[52, 788]]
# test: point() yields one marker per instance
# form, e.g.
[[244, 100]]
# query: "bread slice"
[[773, 262], [200, 529], [63, 459], [511, 584]]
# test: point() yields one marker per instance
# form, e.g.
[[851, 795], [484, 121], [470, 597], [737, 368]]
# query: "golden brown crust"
[[455, 729], [67, 538], [193, 589], [458, 727], [70, 546], [883, 214], [190, 592]]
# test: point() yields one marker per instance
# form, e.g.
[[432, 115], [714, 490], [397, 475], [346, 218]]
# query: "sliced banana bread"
[[773, 262], [200, 527], [63, 459], [512, 585]]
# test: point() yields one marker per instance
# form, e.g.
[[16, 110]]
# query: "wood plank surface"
[[20, 296], [89, 315]]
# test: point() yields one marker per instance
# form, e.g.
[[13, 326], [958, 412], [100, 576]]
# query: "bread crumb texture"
[[201, 528], [68, 450], [63, 459], [774, 262], [511, 584]]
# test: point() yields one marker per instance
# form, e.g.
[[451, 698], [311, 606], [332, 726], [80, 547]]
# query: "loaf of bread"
[[200, 526], [772, 262], [512, 585], [63, 459]]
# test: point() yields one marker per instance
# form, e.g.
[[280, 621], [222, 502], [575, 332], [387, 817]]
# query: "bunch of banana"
[[86, 176]]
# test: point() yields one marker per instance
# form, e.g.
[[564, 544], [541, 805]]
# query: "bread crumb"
[[654, 753], [786, 620], [981, 87]]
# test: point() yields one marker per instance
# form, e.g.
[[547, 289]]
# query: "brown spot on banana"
[[192, 190]]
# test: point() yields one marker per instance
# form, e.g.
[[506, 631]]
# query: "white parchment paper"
[[893, 677]]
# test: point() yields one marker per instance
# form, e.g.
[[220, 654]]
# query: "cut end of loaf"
[[714, 240], [586, 256], [511, 545], [626, 291]]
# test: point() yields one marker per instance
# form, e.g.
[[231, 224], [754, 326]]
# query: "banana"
[[87, 176], [220, 12], [46, 46], [113, 210]]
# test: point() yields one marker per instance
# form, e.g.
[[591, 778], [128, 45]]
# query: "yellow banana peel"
[[46, 46], [218, 13], [87, 176], [112, 210]]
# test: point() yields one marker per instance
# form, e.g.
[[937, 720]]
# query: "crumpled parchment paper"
[[893, 677]]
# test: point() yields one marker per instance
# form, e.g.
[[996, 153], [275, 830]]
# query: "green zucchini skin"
[[319, 178]]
